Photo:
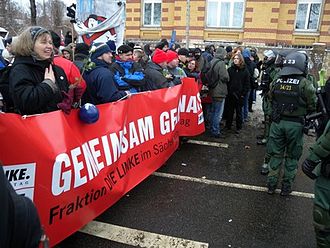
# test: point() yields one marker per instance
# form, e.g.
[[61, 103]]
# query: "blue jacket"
[[128, 75], [101, 87]]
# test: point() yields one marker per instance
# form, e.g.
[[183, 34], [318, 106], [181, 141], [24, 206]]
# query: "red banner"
[[74, 171]]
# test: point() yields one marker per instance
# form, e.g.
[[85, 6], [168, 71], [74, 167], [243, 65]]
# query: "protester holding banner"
[[128, 74], [101, 87], [37, 86], [173, 67], [154, 72]]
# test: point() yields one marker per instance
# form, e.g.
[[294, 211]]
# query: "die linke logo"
[[22, 178]]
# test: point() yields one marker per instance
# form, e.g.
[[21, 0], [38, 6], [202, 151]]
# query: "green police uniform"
[[320, 151], [291, 97], [267, 109]]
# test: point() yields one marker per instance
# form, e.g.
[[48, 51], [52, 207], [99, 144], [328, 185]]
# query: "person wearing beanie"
[[35, 84], [72, 72], [128, 75], [81, 55], [162, 45], [155, 72], [229, 50], [219, 75], [139, 56], [101, 87], [208, 53], [67, 53], [173, 67], [183, 54], [250, 65]]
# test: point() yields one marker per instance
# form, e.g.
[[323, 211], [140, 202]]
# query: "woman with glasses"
[[36, 84], [237, 88]]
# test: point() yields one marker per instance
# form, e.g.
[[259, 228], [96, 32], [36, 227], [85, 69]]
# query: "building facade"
[[269, 22]]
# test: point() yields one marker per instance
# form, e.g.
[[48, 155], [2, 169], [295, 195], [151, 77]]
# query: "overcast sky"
[[26, 3]]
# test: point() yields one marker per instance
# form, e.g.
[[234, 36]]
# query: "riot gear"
[[295, 63]]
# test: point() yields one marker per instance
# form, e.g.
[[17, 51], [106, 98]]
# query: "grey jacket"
[[220, 91]]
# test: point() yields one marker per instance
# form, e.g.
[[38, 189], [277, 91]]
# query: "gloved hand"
[[307, 167], [78, 93], [67, 101]]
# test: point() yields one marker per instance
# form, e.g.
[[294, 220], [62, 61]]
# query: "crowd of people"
[[44, 76]]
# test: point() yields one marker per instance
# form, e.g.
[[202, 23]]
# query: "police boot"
[[286, 190], [264, 169], [271, 189]]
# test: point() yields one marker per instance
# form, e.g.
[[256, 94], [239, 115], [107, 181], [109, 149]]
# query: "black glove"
[[307, 167]]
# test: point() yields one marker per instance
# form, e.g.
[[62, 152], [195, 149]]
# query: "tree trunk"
[[33, 12]]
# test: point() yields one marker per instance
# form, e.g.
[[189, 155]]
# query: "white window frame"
[[231, 15], [309, 2], [152, 13]]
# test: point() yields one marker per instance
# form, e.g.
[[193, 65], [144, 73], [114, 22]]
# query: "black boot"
[[286, 190], [271, 189]]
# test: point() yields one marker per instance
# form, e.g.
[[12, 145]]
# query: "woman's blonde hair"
[[24, 44]]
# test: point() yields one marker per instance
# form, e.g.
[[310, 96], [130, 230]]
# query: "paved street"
[[207, 196]]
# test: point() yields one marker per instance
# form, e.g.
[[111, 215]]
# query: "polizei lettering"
[[83, 163]]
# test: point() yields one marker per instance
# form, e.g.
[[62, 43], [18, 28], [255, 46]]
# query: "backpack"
[[8, 104], [208, 78]]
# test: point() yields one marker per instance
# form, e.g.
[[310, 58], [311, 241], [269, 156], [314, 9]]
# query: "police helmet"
[[89, 113], [280, 57], [295, 63]]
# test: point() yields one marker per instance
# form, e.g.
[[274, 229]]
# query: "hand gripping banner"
[[74, 171]]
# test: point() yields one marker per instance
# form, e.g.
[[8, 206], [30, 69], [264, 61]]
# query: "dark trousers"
[[234, 105]]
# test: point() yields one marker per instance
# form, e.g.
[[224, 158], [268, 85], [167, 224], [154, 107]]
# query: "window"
[[308, 15], [152, 12], [225, 13]]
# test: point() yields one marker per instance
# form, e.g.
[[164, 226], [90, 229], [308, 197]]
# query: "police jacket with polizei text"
[[128, 75], [100, 85], [30, 95], [293, 96]]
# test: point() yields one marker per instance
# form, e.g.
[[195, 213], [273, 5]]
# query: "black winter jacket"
[[154, 77], [239, 81], [29, 93]]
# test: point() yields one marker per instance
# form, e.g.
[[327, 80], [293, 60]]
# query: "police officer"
[[292, 96], [269, 74], [317, 166]]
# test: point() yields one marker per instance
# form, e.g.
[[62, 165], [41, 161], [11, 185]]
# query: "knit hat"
[[112, 45], [171, 55], [183, 51], [36, 31], [82, 48], [229, 49], [137, 48], [159, 56], [68, 49], [100, 49], [56, 39], [124, 49], [246, 53]]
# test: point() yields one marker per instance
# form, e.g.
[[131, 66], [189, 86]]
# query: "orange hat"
[[159, 56], [171, 55]]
